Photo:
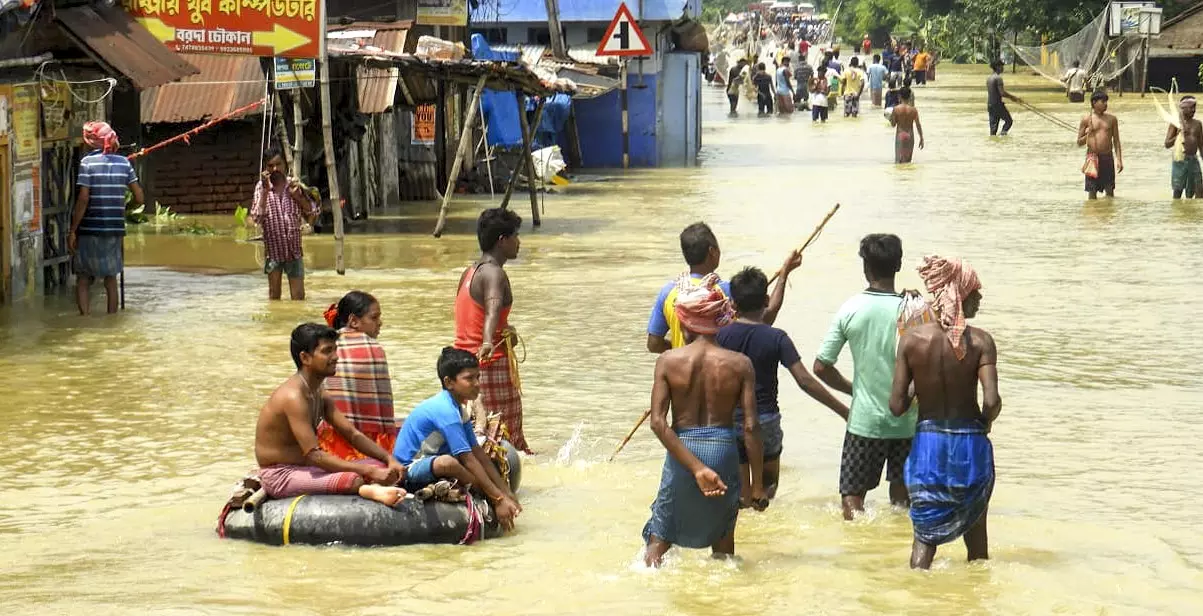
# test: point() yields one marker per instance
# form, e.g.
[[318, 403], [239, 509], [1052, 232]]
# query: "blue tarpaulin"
[[500, 107]]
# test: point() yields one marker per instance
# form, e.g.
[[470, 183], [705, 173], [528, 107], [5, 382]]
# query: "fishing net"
[[1088, 46]]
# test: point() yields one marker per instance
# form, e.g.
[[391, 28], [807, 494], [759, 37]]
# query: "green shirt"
[[868, 323]]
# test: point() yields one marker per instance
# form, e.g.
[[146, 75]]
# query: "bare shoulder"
[[735, 359], [980, 339]]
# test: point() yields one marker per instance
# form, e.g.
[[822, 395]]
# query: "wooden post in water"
[[461, 152], [528, 143], [336, 204], [527, 136], [281, 131], [298, 129]]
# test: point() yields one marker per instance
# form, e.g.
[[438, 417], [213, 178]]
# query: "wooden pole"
[[574, 140], [336, 204], [298, 130], [277, 110], [556, 33], [528, 140], [461, 152], [626, 125], [646, 414], [813, 234], [1144, 72]]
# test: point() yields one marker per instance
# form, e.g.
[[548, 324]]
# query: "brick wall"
[[215, 174]]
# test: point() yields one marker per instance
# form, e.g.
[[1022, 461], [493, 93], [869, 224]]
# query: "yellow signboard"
[[26, 122], [443, 12]]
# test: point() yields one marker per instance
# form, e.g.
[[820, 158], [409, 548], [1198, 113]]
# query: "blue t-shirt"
[[877, 76], [438, 426], [767, 347], [106, 176], [664, 318]]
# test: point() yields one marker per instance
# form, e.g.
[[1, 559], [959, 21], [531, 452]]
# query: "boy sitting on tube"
[[437, 439]]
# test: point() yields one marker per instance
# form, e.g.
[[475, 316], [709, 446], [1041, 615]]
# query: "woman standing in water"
[[361, 388]]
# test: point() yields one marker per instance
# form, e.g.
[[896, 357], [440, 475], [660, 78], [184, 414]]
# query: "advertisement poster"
[[56, 110], [442, 12], [293, 73], [23, 197], [422, 125], [288, 28], [26, 122]]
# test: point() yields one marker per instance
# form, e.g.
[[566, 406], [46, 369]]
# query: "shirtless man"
[[950, 470], [905, 120], [698, 500], [286, 445], [1185, 176], [1099, 132]]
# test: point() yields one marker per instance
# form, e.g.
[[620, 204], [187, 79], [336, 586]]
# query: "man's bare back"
[[705, 384], [945, 386], [904, 117]]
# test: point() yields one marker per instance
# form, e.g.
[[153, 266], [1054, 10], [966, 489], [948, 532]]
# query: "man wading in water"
[[279, 206], [868, 322], [950, 471], [286, 447], [1099, 132], [698, 500], [996, 92], [1185, 177], [905, 120], [482, 312]]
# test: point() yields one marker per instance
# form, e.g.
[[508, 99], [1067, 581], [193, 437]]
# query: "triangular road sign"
[[623, 37]]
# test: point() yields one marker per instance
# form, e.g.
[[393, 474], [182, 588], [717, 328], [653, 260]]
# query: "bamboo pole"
[[528, 143], [336, 204], [298, 129], [810, 240], [277, 110], [509, 189], [461, 152], [813, 235]]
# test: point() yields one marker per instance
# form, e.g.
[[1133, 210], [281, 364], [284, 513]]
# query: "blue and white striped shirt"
[[106, 176]]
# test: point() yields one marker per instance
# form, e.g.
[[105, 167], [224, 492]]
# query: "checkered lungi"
[[863, 458], [499, 395]]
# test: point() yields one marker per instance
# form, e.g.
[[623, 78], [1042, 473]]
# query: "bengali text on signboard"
[[442, 12], [286, 28]]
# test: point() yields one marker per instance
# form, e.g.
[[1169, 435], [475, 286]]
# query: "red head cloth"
[[701, 306], [950, 281], [101, 136]]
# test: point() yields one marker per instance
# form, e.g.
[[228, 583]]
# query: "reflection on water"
[[124, 434]]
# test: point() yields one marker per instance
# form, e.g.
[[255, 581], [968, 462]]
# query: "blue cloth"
[[555, 116], [877, 76], [767, 347], [106, 177], [657, 325], [771, 436], [420, 474], [99, 256], [438, 426], [681, 514], [950, 477]]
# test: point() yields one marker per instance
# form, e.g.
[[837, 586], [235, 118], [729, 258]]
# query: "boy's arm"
[[919, 129], [1119, 149]]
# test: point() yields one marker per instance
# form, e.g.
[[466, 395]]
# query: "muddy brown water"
[[122, 435]]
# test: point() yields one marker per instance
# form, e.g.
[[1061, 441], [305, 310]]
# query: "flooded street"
[[122, 436]]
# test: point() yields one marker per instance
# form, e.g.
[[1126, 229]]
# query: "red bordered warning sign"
[[623, 37]]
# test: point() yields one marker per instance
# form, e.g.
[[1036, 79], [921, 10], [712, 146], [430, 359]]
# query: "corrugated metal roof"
[[377, 87], [225, 83], [124, 45]]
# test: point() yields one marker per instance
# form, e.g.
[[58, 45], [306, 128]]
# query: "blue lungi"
[[681, 514], [99, 255], [950, 477]]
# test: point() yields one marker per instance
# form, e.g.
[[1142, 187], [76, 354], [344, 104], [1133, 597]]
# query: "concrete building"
[[664, 89]]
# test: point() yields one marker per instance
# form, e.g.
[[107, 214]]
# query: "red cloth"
[[101, 136], [280, 218], [950, 281], [285, 480], [499, 395], [470, 320], [702, 308]]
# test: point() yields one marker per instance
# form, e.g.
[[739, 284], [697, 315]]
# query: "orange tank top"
[[470, 320]]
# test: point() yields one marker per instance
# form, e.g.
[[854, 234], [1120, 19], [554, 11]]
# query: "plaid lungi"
[[499, 395], [285, 480]]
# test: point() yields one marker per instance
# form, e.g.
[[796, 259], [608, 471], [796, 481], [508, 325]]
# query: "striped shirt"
[[106, 176], [361, 389], [280, 217]]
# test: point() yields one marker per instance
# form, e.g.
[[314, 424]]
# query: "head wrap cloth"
[[101, 136], [701, 306], [950, 281]]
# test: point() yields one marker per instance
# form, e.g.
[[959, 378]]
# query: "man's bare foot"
[[388, 495]]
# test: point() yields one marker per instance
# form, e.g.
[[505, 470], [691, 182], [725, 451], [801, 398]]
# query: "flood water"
[[123, 435]]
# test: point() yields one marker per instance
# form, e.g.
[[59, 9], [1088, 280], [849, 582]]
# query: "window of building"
[[538, 36], [494, 36]]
